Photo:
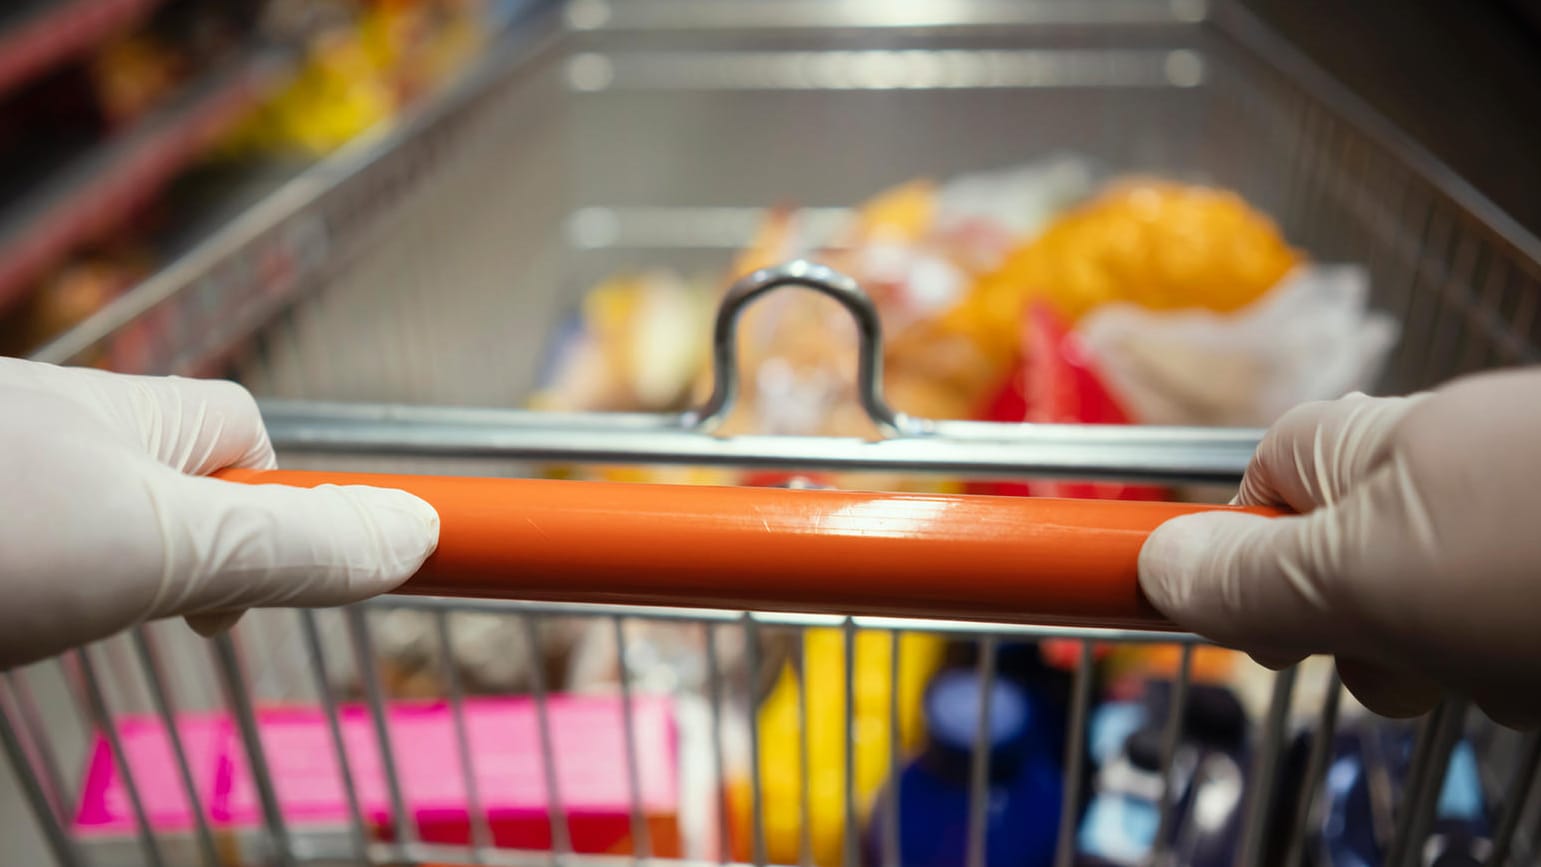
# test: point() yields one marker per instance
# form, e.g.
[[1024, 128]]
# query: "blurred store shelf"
[[240, 265], [37, 36], [101, 187]]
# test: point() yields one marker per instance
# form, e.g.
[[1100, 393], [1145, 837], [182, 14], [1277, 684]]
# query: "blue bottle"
[[1023, 782], [1356, 826]]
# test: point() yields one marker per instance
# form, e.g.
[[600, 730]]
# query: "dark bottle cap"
[[1214, 716], [952, 711], [1144, 749]]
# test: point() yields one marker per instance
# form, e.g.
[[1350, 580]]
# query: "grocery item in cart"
[[638, 344], [587, 733], [784, 736], [1022, 781], [104, 808], [1311, 337], [1057, 380], [1154, 243]]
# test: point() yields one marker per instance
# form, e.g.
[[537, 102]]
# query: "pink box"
[[588, 734], [306, 777], [104, 800]]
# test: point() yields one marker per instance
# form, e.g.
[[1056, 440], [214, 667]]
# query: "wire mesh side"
[[1464, 293], [866, 822]]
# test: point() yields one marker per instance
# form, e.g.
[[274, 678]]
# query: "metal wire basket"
[[439, 253]]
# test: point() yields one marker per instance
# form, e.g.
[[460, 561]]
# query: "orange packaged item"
[[1158, 244], [902, 214]]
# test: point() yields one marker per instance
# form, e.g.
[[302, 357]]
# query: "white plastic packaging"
[[1312, 337]]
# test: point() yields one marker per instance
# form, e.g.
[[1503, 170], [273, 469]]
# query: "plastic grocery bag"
[[1312, 337]]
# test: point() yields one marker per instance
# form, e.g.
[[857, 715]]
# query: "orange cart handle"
[[995, 559]]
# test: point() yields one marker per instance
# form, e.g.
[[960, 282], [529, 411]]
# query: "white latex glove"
[[104, 521], [1418, 565]]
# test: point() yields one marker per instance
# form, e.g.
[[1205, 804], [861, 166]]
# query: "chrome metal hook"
[[830, 283]]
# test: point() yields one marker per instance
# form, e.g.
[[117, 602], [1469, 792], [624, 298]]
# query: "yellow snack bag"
[[781, 739]]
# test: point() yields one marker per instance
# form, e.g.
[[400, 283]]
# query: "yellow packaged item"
[[363, 72], [337, 95], [782, 739], [644, 342], [421, 43]]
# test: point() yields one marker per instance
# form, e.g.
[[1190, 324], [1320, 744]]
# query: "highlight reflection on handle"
[[997, 559]]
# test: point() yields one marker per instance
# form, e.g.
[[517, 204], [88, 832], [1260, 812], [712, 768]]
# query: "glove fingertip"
[[1212, 573], [265, 545], [406, 527], [1171, 559]]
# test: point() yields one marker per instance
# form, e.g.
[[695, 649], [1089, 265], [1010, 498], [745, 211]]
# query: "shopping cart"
[[654, 132]]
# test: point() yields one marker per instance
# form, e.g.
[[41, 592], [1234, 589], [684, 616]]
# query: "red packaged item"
[[1056, 382]]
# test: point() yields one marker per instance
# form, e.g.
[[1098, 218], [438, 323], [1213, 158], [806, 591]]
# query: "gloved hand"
[[104, 521], [1416, 561]]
